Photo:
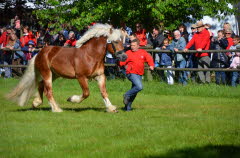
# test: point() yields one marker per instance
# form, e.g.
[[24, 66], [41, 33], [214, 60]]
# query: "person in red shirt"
[[27, 36], [134, 66], [201, 41], [5, 36], [228, 34], [141, 34], [71, 41]]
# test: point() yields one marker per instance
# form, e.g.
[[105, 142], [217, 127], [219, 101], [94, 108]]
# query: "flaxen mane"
[[98, 30]]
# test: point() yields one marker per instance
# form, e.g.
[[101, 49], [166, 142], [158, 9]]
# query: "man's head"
[[135, 45], [200, 27], [177, 34], [155, 31]]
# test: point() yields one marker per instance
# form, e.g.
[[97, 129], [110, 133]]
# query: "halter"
[[114, 48]]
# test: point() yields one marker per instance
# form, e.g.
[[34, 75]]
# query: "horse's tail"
[[25, 88]]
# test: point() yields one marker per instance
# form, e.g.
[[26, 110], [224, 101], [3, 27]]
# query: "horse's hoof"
[[74, 99], [112, 110], [36, 103], [57, 110]]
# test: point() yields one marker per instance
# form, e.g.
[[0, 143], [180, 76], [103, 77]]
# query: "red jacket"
[[230, 42], [135, 61], [200, 40], [141, 35], [71, 42], [4, 39], [26, 38]]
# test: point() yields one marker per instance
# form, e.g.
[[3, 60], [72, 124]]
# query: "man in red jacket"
[[201, 41], [134, 66]]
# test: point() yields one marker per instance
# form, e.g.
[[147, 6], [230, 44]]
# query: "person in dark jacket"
[[156, 38], [220, 59]]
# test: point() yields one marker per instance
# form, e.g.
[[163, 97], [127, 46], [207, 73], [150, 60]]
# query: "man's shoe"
[[126, 100]]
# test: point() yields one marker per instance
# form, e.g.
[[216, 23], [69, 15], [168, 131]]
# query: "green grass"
[[200, 121]]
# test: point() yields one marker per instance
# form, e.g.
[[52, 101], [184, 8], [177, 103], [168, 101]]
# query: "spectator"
[[17, 25], [166, 61], [40, 38], [134, 70], [6, 56], [71, 41], [27, 36], [183, 30], [236, 41], [141, 34], [177, 44], [156, 38], [235, 65], [5, 36], [201, 41], [124, 27], [228, 34], [191, 60], [227, 26], [29, 51], [220, 59], [18, 56], [60, 40]]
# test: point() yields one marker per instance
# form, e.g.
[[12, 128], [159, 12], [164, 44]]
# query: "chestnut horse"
[[81, 63]]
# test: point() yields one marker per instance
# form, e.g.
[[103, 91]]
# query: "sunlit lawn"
[[200, 121]]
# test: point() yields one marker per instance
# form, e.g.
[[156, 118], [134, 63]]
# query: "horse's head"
[[117, 49]]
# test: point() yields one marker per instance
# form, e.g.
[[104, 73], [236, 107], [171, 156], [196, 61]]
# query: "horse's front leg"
[[102, 86], [83, 81]]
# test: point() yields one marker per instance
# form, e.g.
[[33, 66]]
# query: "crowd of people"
[[200, 38]]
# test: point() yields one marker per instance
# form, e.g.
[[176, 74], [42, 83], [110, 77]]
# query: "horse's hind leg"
[[83, 81], [47, 84], [38, 100], [102, 86]]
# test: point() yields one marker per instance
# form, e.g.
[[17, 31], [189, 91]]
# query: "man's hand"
[[151, 67], [185, 49], [199, 49]]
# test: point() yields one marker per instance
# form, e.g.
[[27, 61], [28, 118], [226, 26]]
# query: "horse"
[[83, 62]]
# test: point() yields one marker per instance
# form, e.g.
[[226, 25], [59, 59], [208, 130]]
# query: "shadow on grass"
[[64, 109], [209, 151]]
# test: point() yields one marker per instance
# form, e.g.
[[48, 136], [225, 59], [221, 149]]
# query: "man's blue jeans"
[[220, 76], [235, 76], [136, 87], [182, 74]]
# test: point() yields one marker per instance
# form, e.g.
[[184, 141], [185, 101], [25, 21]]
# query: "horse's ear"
[[111, 30]]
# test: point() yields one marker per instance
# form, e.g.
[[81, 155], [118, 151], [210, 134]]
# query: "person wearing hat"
[[29, 50], [201, 41]]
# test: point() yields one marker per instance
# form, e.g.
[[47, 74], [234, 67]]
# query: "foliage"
[[198, 121], [169, 13]]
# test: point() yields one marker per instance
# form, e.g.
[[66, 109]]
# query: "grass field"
[[199, 121]]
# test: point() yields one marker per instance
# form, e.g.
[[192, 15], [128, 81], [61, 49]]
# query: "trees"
[[169, 13]]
